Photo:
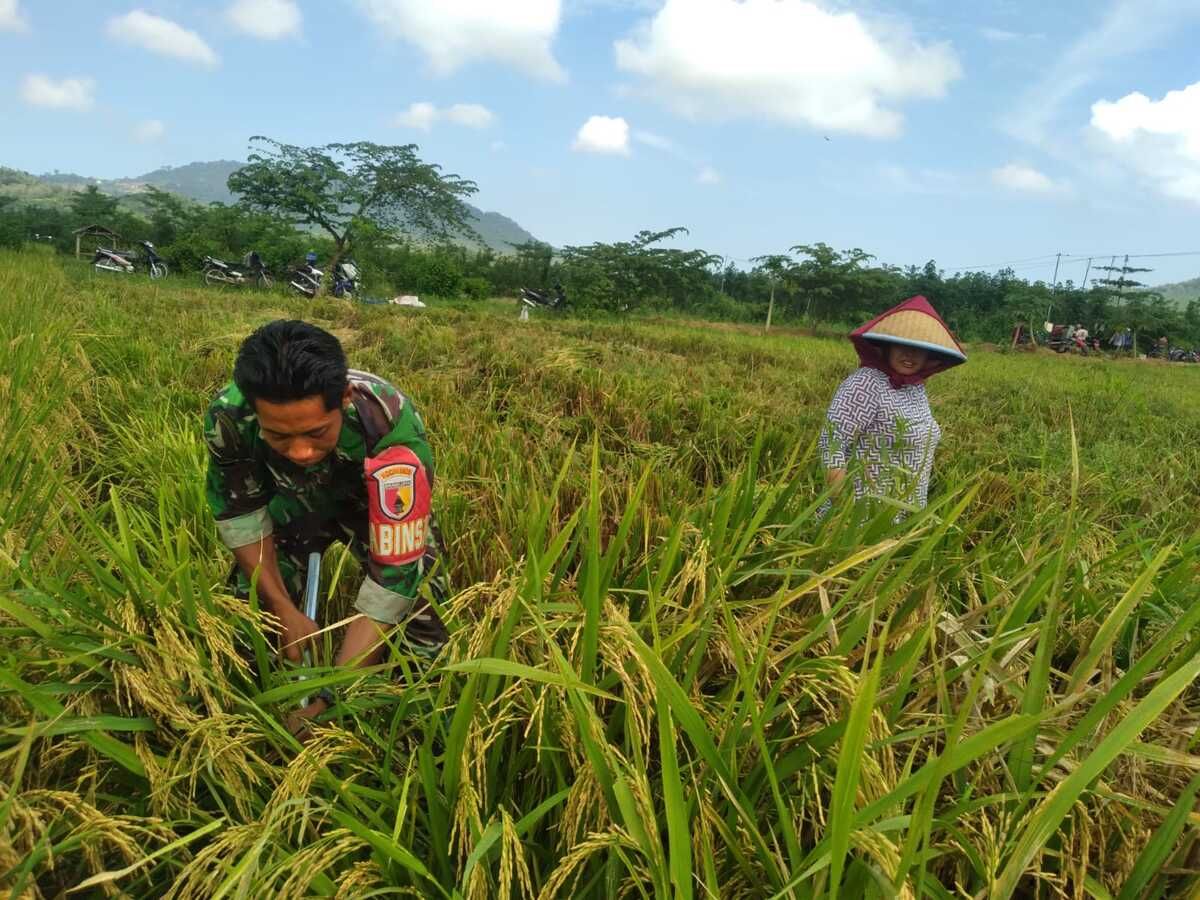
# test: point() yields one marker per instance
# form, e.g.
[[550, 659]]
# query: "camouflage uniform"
[[371, 492]]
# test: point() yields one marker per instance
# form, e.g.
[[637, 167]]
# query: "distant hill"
[[1181, 292], [205, 182]]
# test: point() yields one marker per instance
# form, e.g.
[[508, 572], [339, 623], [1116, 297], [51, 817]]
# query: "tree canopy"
[[348, 189]]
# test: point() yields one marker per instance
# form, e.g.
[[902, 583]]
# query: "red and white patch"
[[398, 498], [395, 489]]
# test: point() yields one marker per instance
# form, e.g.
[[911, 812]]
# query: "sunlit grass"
[[666, 677]]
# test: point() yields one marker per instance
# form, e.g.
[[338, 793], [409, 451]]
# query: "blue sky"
[[972, 134]]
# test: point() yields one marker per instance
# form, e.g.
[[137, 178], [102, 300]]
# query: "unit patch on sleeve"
[[399, 500]]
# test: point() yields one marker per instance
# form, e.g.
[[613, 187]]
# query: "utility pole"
[[1116, 286], [770, 305], [1086, 272], [1054, 286]]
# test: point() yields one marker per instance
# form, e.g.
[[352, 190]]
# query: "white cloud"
[[1127, 27], [705, 174], [266, 19], [68, 93], [788, 61], [418, 115], [499, 146], [1157, 139], [148, 131], [424, 115], [455, 33], [603, 134], [469, 115], [11, 18], [1020, 177], [159, 35], [657, 141]]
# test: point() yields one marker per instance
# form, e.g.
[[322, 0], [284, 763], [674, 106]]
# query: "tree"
[[621, 275], [169, 213], [837, 280], [777, 267], [533, 259], [342, 188], [91, 207]]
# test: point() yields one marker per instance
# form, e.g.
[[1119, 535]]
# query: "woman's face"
[[906, 360]]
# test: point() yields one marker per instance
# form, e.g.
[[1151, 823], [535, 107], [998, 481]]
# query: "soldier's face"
[[303, 431]]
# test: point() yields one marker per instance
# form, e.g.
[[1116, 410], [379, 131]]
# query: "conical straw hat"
[[915, 328]]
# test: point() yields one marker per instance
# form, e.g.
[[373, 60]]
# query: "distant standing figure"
[[880, 418]]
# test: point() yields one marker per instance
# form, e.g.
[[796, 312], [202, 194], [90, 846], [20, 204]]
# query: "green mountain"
[[205, 182], [1181, 292]]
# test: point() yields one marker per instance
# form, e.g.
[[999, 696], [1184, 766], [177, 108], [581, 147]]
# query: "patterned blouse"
[[889, 431]]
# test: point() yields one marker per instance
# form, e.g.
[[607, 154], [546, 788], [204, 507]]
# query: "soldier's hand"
[[297, 629]]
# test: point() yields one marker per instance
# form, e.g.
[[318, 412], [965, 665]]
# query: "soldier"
[[304, 451]]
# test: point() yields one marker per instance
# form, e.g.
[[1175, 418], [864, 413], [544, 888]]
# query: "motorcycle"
[[254, 262], [306, 279], [345, 279], [543, 300], [1063, 339], [217, 271], [112, 261]]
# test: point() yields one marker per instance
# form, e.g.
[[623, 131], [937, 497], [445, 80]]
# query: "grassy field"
[[666, 676]]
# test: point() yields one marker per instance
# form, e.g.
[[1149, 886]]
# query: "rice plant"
[[667, 676]]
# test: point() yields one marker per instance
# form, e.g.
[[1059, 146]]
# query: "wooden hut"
[[92, 236]]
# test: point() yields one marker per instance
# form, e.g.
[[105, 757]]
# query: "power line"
[[1142, 255], [1004, 265], [1065, 259]]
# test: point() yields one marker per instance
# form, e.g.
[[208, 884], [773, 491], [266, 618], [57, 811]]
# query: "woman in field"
[[879, 425]]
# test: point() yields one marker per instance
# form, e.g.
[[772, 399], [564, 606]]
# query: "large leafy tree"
[[621, 275], [836, 284], [348, 190], [91, 207]]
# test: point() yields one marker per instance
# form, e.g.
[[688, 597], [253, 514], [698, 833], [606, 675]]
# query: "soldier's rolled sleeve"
[[241, 531], [383, 605]]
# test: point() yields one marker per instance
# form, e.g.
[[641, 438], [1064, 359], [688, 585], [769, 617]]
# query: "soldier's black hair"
[[288, 360]]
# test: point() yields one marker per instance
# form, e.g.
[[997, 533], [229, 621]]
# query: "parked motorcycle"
[[543, 299], [217, 271], [258, 269], [306, 279], [1063, 339], [345, 279], [113, 261]]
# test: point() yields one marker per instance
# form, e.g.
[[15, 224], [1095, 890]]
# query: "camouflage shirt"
[[372, 491]]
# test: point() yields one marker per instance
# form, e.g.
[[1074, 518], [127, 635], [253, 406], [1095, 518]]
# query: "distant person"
[[303, 451], [1081, 338], [879, 423]]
